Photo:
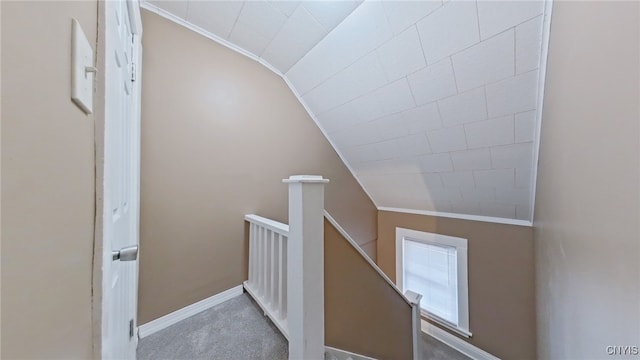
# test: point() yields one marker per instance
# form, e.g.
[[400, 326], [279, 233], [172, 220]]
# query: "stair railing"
[[286, 270]]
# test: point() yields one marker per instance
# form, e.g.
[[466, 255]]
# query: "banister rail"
[[286, 269], [267, 282], [268, 223]]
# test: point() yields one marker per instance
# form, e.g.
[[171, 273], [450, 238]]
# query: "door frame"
[[99, 250]]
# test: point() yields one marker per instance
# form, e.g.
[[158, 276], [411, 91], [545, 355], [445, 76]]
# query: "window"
[[435, 266]]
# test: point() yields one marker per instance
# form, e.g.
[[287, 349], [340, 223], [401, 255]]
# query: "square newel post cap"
[[413, 297], [309, 179]]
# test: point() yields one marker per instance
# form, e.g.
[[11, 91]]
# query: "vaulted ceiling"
[[433, 105]]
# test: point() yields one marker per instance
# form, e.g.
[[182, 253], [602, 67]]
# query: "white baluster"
[[305, 275], [283, 278], [260, 260], [274, 272], [269, 269], [263, 268], [252, 249]]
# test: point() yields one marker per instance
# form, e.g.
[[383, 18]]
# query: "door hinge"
[[130, 328], [133, 72]]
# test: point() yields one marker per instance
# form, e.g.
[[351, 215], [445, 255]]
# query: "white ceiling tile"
[[360, 78], [401, 55], [389, 99], [365, 133], [445, 196], [500, 178], [513, 95], [177, 8], [465, 207], [361, 169], [286, 7], [422, 118], [356, 135], [391, 127], [367, 107], [497, 16], [436, 163], [257, 24], [454, 195], [458, 179], [486, 62], [525, 124], [217, 17], [330, 13], [464, 108], [434, 82], [513, 196], [339, 118], [414, 145], [471, 159], [528, 45], [395, 97], [363, 76], [447, 139], [498, 131], [298, 35], [360, 33], [443, 208], [496, 209], [431, 181], [375, 168], [476, 195], [523, 177], [523, 211], [404, 165], [402, 14], [342, 138], [361, 153], [399, 190], [388, 149], [449, 29], [512, 156]]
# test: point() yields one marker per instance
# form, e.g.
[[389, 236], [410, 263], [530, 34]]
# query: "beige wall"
[[363, 314], [587, 217], [47, 185], [219, 133], [501, 278]]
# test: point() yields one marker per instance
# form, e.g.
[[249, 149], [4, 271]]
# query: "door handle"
[[129, 253]]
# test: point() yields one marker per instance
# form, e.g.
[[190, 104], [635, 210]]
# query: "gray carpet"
[[237, 330], [433, 349], [233, 330]]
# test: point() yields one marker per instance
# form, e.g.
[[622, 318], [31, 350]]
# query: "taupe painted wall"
[[219, 133], [47, 185], [501, 278], [587, 216], [363, 314]]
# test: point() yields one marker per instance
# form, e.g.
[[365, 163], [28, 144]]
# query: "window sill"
[[447, 325]]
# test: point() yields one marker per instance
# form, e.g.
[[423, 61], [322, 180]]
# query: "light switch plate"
[[81, 61]]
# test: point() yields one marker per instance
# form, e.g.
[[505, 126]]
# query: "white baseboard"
[[343, 354], [158, 324], [456, 343]]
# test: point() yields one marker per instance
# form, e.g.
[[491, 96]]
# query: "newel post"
[[416, 322], [305, 269]]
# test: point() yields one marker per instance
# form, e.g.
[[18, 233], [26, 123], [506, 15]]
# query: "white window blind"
[[431, 270], [435, 266]]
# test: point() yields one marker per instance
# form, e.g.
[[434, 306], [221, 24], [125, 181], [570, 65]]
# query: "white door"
[[121, 179]]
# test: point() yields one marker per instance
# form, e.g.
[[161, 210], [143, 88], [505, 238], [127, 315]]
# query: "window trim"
[[460, 244]]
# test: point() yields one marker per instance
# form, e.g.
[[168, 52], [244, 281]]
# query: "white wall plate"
[[82, 69]]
